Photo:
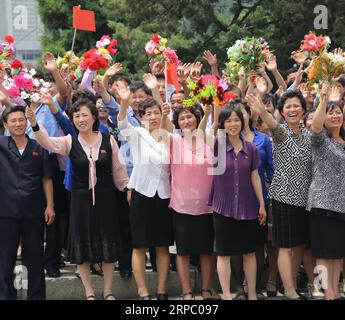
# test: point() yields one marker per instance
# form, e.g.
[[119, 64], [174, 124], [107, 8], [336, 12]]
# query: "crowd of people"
[[116, 167]]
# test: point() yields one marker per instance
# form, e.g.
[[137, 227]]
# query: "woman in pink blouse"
[[97, 169], [191, 161]]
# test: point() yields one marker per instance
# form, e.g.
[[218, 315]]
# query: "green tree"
[[191, 26]]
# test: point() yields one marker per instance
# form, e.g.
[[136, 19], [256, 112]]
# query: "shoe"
[[300, 297], [314, 292], [271, 293], [109, 296], [91, 297], [54, 273], [183, 295], [126, 274], [162, 296], [212, 296], [146, 297], [98, 272]]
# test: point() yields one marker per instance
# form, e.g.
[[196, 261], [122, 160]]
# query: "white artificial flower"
[[105, 42], [27, 76], [36, 83], [24, 95], [32, 71], [43, 90], [35, 97]]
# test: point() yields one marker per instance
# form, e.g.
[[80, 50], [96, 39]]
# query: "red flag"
[[171, 74], [84, 19]]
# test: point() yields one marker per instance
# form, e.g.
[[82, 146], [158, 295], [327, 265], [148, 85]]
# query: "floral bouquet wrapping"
[[207, 91], [249, 53], [157, 49]]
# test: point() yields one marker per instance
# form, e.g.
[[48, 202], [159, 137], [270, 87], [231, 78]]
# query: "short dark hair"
[[83, 94], [138, 84], [10, 110], [147, 103], [119, 77], [290, 95], [193, 110], [305, 118], [242, 103], [341, 80], [174, 92], [226, 113], [88, 104], [330, 106], [160, 77]]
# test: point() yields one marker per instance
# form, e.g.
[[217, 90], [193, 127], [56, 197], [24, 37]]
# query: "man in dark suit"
[[26, 197]]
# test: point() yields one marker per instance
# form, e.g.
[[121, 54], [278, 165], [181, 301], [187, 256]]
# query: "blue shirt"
[[114, 108], [266, 170]]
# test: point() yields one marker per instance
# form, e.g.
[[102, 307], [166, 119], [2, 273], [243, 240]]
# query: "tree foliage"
[[191, 26]]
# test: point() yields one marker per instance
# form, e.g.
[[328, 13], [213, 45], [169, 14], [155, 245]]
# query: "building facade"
[[20, 19]]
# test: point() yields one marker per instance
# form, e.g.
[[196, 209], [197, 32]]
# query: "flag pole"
[[75, 33], [166, 81]]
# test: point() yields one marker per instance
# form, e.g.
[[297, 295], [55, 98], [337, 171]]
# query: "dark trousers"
[[31, 232], [54, 233], [125, 256]]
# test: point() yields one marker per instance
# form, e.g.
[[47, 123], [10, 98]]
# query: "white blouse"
[[151, 162]]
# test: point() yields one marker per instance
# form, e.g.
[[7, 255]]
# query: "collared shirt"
[[232, 194], [266, 170], [292, 165], [151, 164], [328, 178], [21, 190], [190, 179]]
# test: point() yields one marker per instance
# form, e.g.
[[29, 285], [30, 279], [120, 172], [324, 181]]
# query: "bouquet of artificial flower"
[[70, 62], [208, 90], [7, 49], [24, 86], [325, 68], [157, 49], [249, 53], [100, 57]]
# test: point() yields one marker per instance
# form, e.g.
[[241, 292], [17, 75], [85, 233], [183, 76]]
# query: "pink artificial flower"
[[223, 84], [209, 78], [23, 80], [149, 48], [172, 56], [105, 40], [14, 92], [111, 47], [312, 42]]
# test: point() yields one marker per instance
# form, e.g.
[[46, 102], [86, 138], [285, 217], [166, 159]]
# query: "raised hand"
[[299, 57], [114, 69], [256, 104], [49, 62], [183, 72], [280, 91], [30, 115], [261, 85], [305, 90], [157, 67], [165, 110], [210, 58], [241, 74], [98, 86], [150, 81], [325, 93], [123, 91], [334, 94], [261, 69], [272, 63], [339, 52], [46, 98], [195, 72]]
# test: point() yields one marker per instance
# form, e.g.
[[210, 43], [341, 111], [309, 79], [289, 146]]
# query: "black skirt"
[[327, 234], [234, 237], [194, 235], [290, 225], [93, 230], [151, 221]]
